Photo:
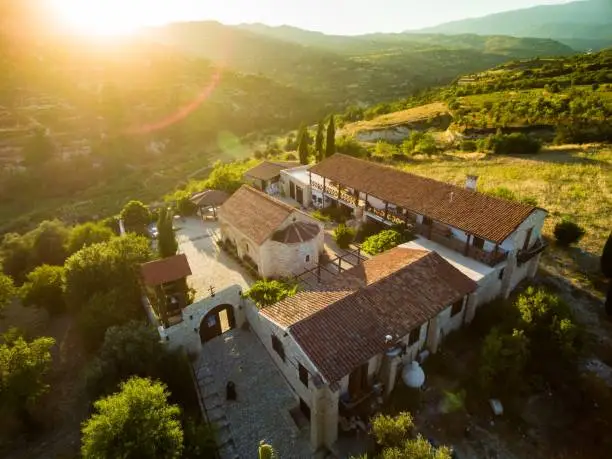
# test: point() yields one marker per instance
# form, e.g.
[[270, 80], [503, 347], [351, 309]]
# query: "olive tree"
[[23, 369], [44, 287], [136, 422]]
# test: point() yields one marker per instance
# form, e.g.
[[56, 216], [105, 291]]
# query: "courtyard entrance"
[[217, 321]]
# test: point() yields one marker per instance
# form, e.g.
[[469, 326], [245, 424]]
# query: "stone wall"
[[279, 259], [186, 334]]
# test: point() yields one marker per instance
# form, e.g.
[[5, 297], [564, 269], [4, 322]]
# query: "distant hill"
[[568, 97], [581, 24], [377, 42], [348, 70]]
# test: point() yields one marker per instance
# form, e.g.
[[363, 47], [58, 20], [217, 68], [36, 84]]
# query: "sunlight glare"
[[99, 18]]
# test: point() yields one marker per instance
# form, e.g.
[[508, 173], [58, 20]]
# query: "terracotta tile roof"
[[269, 169], [484, 216], [209, 198], [297, 232], [345, 325], [255, 214], [165, 270]]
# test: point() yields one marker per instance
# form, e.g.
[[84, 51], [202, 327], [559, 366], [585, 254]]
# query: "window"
[[314, 198], [278, 347], [527, 239], [305, 409], [303, 372], [478, 242], [457, 307], [307, 258], [501, 274], [414, 336]]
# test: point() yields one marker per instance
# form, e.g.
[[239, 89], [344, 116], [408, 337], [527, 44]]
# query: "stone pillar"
[[433, 335], [508, 273], [470, 310], [533, 267], [239, 310], [317, 419], [331, 416]]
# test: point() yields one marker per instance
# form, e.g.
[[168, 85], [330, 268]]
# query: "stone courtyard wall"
[[186, 334]]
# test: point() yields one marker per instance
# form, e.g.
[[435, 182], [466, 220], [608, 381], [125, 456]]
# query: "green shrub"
[[383, 241], [502, 361], [343, 235], [516, 143], [338, 214], [369, 228], [267, 292], [469, 145], [567, 232], [321, 216]]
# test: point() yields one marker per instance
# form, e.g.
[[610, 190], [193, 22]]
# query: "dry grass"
[[411, 115], [569, 180]]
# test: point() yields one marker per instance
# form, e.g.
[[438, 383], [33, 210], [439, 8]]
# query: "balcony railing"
[[525, 255], [444, 236]]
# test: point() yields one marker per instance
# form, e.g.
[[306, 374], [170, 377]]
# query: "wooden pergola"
[[210, 199]]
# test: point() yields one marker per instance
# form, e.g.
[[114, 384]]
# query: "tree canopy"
[[136, 217], [395, 435], [131, 349], [104, 267], [319, 139], [7, 290], [303, 141], [88, 234], [23, 369], [136, 422], [330, 144], [166, 240], [49, 243], [44, 288]]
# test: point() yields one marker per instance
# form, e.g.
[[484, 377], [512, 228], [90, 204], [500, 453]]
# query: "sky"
[[346, 17]]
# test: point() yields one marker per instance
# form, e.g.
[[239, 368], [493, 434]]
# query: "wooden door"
[[358, 381], [292, 190], [299, 195]]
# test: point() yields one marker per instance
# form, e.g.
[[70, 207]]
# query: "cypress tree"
[[319, 141], [330, 147], [166, 241], [303, 145]]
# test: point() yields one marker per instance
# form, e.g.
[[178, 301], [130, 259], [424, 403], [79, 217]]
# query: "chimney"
[[451, 196], [470, 182]]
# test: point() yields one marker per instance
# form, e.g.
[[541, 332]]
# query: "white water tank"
[[413, 375]]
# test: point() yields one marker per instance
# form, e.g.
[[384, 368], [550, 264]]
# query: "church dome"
[[297, 232]]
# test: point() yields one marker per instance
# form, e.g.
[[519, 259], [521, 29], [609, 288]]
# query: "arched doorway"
[[217, 321]]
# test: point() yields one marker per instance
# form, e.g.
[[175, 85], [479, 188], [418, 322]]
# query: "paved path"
[[209, 264], [261, 411]]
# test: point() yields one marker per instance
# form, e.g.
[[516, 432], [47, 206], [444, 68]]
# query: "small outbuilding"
[[276, 239], [165, 283], [266, 175], [209, 200]]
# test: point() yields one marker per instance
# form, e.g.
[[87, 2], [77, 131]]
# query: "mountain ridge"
[[574, 23]]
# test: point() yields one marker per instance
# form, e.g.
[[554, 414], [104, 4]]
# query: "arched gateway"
[[217, 321]]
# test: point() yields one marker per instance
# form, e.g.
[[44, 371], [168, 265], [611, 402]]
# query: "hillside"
[[580, 24], [345, 70], [567, 97], [120, 113]]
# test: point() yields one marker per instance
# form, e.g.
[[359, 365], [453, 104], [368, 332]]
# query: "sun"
[[98, 17]]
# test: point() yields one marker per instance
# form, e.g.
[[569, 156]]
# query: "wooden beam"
[[324, 191], [386, 210], [467, 245]]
